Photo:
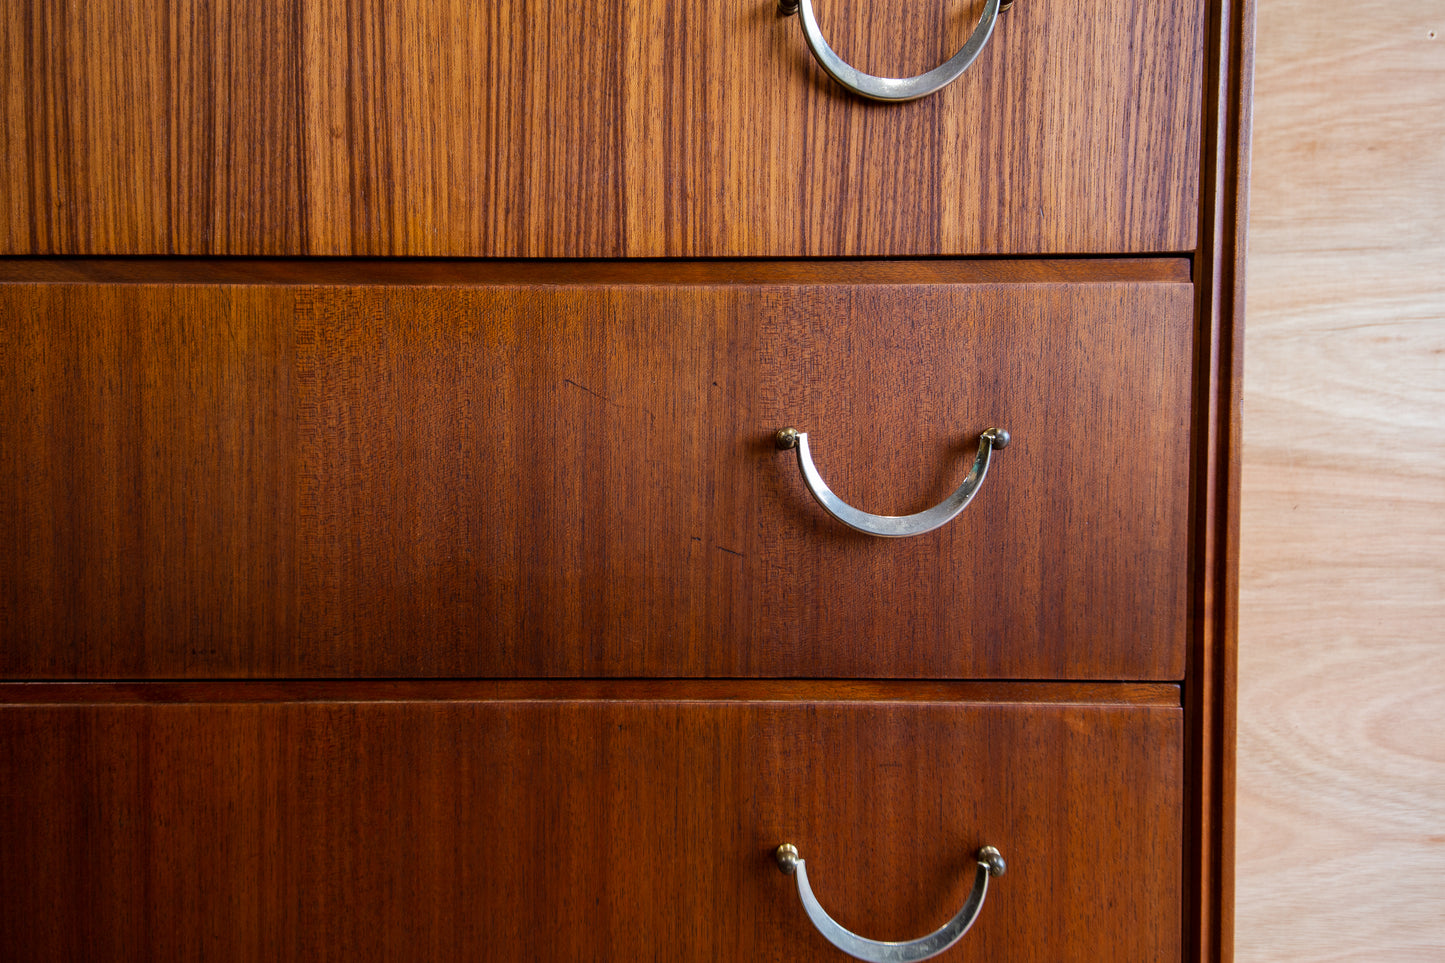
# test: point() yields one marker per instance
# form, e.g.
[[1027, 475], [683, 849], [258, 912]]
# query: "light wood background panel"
[[1341, 831], [599, 129]]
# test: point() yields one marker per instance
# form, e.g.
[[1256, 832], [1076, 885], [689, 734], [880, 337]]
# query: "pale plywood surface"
[[1341, 843]]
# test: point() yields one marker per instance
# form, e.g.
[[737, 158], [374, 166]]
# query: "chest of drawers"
[[402, 560]]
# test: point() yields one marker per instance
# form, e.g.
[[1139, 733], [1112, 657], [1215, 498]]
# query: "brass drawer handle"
[[893, 526], [990, 863], [892, 88]]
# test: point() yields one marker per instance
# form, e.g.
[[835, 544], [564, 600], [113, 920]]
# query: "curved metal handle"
[[893, 526], [892, 88], [990, 863]]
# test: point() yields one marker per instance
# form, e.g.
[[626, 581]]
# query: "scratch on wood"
[[591, 392]]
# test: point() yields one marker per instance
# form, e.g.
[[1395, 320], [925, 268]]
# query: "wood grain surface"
[[1341, 746], [1210, 688], [582, 830], [602, 129], [877, 691], [410, 272], [505, 480]]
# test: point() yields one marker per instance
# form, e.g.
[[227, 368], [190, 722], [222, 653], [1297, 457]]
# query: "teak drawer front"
[[610, 128], [521, 479], [581, 830]]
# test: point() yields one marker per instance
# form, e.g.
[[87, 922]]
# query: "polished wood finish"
[[582, 830], [506, 480], [410, 272], [1341, 745], [434, 127], [1210, 687], [133, 127], [615, 128], [562, 690]]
